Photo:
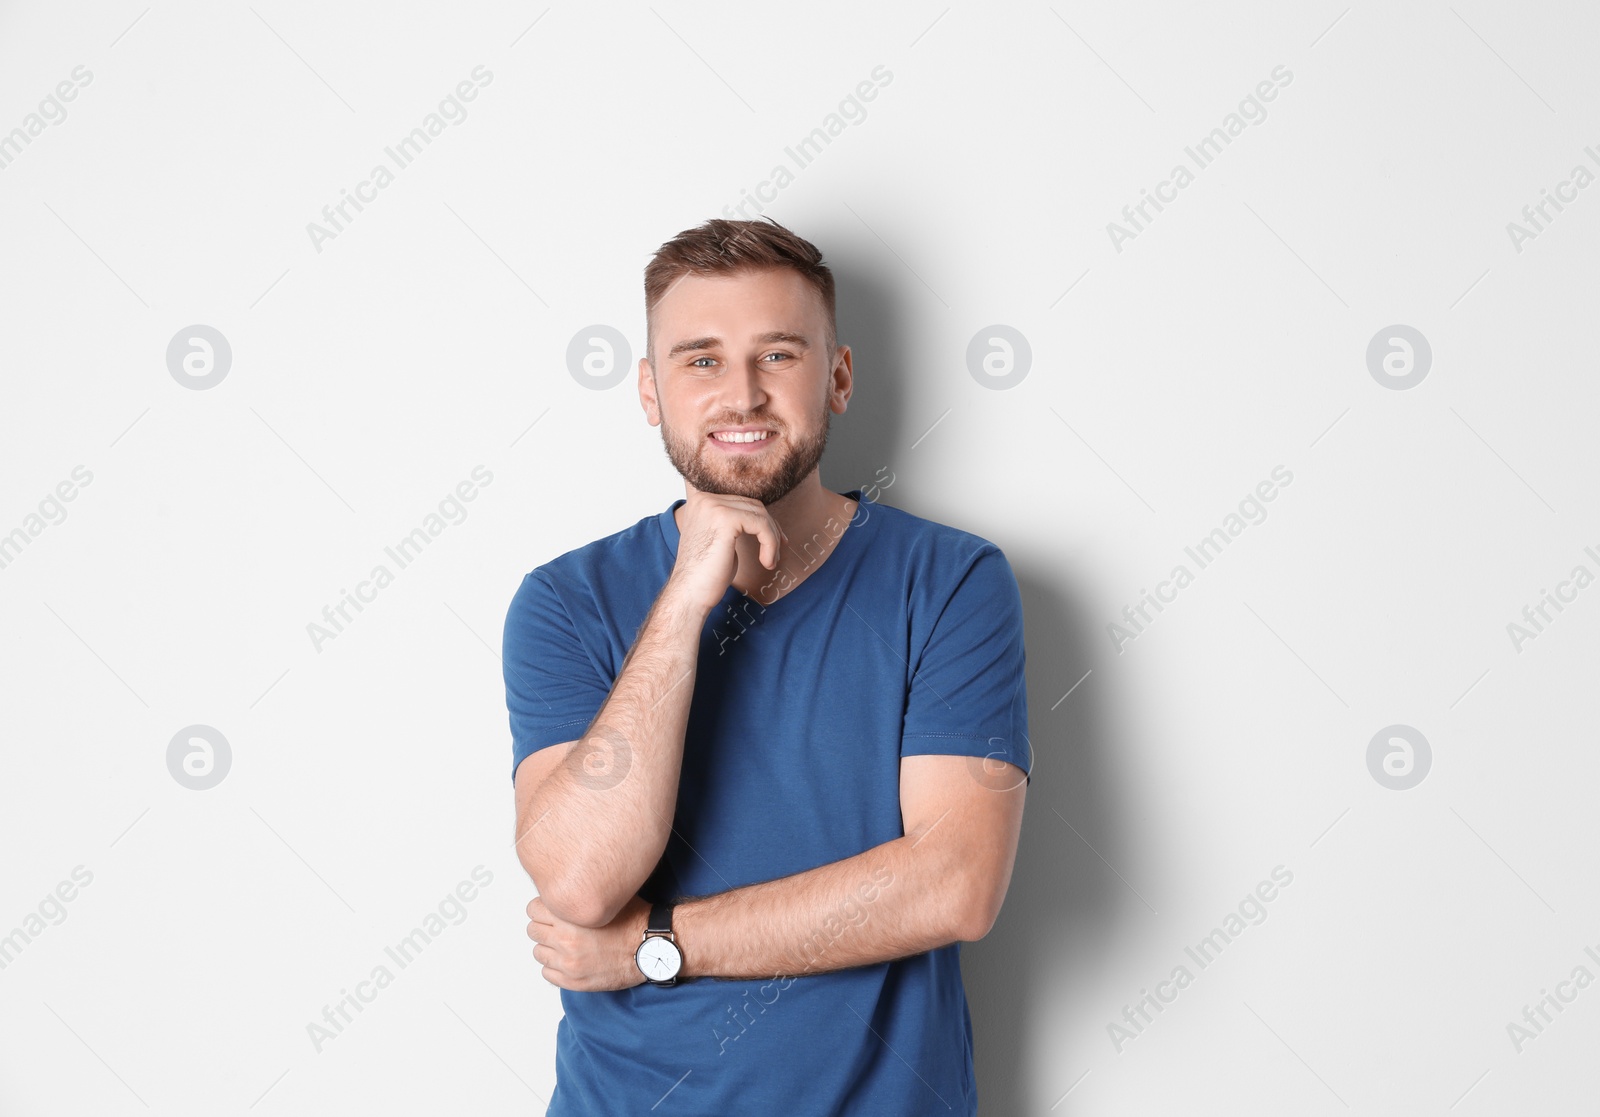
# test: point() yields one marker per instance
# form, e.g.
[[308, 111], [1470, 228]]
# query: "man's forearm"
[[595, 829], [895, 900]]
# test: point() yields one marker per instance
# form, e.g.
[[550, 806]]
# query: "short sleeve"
[[553, 689], [968, 695]]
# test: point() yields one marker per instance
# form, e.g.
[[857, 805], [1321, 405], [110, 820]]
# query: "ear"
[[842, 380], [647, 393]]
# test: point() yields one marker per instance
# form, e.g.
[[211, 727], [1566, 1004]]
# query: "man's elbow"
[[578, 906], [980, 909], [978, 924], [568, 899]]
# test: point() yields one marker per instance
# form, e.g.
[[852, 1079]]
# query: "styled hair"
[[722, 247]]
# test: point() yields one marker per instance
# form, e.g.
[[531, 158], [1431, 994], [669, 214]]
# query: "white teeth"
[[747, 436]]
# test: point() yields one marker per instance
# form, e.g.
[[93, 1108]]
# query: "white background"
[[1169, 376]]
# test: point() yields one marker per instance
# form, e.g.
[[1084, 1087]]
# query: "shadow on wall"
[[1064, 905], [874, 430]]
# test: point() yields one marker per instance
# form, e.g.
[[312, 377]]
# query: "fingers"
[[757, 521], [723, 517], [555, 976], [768, 534], [750, 517], [760, 524], [559, 978]]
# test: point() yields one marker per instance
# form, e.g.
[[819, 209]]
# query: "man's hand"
[[708, 544], [589, 959]]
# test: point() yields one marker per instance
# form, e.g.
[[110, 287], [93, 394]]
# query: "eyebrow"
[[773, 337]]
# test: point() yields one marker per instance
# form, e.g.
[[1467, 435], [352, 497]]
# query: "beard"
[[764, 477]]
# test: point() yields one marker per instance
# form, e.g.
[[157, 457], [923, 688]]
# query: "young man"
[[770, 745]]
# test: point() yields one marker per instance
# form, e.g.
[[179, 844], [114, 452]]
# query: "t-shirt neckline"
[[670, 535]]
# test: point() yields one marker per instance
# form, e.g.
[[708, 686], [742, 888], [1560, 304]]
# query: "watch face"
[[659, 958]]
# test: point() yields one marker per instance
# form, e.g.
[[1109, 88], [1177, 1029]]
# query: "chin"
[[753, 488], [754, 485]]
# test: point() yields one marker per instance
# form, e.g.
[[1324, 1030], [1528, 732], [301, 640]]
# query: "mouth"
[[750, 440]]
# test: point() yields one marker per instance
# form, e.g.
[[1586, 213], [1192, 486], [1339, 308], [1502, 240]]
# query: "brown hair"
[[721, 247]]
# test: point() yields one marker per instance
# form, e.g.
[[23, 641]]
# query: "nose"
[[742, 390]]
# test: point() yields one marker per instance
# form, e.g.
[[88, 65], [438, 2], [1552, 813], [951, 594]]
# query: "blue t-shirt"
[[907, 639]]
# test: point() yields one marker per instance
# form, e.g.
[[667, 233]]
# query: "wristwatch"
[[658, 956]]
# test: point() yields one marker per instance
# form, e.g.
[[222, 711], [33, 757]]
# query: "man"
[[770, 745]]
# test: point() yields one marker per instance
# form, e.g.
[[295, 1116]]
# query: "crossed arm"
[[594, 815], [942, 882]]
